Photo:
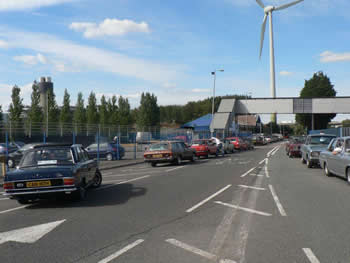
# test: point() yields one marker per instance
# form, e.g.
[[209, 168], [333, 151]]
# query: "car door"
[[187, 150], [345, 158], [329, 156], [304, 148], [337, 159], [91, 164], [83, 164]]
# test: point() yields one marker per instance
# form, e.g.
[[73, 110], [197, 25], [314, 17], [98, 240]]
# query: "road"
[[255, 207]]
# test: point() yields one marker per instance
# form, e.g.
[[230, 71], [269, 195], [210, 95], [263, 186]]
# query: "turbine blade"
[[287, 5], [260, 3], [263, 28]]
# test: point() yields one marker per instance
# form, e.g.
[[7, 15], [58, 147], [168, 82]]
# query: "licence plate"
[[38, 184], [157, 156]]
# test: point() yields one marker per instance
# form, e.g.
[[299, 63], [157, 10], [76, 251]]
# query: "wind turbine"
[[268, 10]]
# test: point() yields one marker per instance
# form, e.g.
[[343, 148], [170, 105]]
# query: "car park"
[[49, 170], [335, 160], [168, 152], [314, 144], [106, 150]]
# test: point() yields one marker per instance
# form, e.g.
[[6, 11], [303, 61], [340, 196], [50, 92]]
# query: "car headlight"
[[315, 154]]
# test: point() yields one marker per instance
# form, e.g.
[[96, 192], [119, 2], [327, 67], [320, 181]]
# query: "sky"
[[170, 48]]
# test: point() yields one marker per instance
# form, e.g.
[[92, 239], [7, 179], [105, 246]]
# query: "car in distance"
[[238, 143], [204, 148], [168, 152], [293, 147], [314, 145], [335, 160], [15, 157], [107, 150], [228, 146], [50, 170]]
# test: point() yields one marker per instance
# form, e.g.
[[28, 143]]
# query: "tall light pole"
[[213, 103], [249, 94]]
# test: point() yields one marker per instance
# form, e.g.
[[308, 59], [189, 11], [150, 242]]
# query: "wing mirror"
[[337, 151]]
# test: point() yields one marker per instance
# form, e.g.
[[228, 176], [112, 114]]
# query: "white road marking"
[[124, 182], [270, 152], [243, 208], [2, 199], [258, 175], [245, 174], [173, 169], [267, 172], [274, 152], [208, 199], [252, 187], [29, 234], [197, 251], [277, 201], [122, 251], [111, 181], [13, 209], [263, 161], [310, 255]]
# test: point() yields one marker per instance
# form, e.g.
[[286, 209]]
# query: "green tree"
[[318, 86], [66, 114], [35, 114], [91, 110], [113, 112], [79, 112], [53, 110], [103, 111], [1, 114], [124, 111], [148, 114], [16, 106]]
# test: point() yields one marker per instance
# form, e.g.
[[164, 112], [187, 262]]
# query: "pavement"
[[255, 207]]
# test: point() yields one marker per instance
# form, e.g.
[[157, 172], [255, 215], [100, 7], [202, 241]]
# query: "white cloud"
[[110, 27], [286, 73], [168, 85], [91, 58], [200, 90], [31, 60], [5, 94], [3, 44], [328, 56], [13, 5]]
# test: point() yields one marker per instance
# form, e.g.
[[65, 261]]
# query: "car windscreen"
[[159, 147], [321, 139], [47, 157]]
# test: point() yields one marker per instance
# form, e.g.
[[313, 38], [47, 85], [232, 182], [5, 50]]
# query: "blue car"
[[107, 150], [49, 170]]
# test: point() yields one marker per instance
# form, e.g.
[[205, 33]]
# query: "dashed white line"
[[243, 208], [310, 255], [197, 251], [245, 174], [173, 169], [207, 199], [13, 209], [124, 182], [122, 251], [277, 201], [252, 187], [274, 152], [263, 161]]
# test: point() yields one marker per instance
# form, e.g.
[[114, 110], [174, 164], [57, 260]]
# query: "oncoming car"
[[50, 170]]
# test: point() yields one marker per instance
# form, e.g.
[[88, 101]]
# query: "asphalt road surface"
[[255, 207]]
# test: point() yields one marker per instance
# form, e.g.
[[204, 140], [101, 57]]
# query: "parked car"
[[293, 146], [314, 144], [331, 158], [249, 143], [15, 157], [12, 147], [238, 143], [204, 147], [228, 146], [49, 170], [107, 150], [258, 140], [169, 152]]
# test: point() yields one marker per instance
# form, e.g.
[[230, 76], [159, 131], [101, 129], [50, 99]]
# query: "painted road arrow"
[[29, 234]]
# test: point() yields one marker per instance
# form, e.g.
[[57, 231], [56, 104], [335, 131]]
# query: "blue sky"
[[126, 47]]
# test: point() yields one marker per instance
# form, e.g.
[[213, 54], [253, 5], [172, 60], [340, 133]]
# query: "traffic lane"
[[164, 199], [317, 215]]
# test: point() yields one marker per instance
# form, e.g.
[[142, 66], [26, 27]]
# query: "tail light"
[[68, 181], [8, 186]]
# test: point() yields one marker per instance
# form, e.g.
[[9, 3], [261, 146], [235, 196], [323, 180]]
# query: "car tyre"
[[79, 194], [303, 160], [308, 163], [109, 157], [326, 171], [153, 164], [178, 160], [23, 201], [97, 179]]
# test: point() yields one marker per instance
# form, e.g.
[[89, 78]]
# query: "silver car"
[[314, 145], [336, 159]]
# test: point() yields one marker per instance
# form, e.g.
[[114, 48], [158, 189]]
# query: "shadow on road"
[[116, 195]]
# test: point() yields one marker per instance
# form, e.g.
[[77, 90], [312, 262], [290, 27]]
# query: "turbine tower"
[[268, 10]]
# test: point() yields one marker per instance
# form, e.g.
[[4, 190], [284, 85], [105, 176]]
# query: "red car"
[[204, 148], [293, 147], [238, 143]]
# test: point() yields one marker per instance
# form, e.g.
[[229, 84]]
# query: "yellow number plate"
[[157, 156], [38, 184]]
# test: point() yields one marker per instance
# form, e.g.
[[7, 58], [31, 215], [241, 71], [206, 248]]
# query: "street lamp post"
[[249, 94], [213, 102]]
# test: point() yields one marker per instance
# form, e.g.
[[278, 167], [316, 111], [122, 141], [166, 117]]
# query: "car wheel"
[[326, 171], [179, 160], [303, 160], [193, 159], [10, 163], [153, 164], [290, 155], [207, 156], [97, 180], [308, 163], [23, 201], [79, 194], [109, 157]]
